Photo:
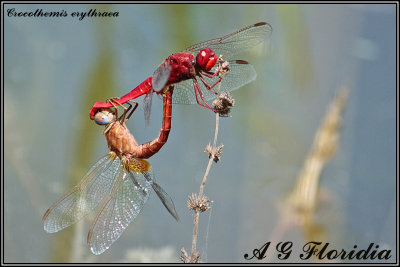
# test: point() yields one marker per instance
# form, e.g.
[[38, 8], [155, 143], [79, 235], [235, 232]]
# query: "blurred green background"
[[56, 68]]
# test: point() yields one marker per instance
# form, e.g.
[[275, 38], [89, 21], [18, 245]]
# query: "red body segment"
[[198, 62], [122, 142], [147, 150], [141, 89], [183, 67]]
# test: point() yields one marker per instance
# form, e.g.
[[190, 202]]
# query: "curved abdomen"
[[149, 149]]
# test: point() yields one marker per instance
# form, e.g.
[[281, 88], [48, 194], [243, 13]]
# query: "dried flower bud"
[[198, 202], [223, 104]]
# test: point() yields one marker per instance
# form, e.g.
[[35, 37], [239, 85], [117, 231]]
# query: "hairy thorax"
[[183, 67], [120, 140]]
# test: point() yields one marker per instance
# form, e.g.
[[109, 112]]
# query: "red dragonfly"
[[118, 185], [211, 62]]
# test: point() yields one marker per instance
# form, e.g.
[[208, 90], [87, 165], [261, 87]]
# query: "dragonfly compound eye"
[[203, 56], [103, 117], [206, 59]]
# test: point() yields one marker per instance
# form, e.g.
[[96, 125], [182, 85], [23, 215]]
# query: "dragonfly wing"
[[162, 195], [147, 102], [127, 198], [161, 76], [184, 93], [233, 44], [83, 198], [166, 200], [159, 80], [241, 73]]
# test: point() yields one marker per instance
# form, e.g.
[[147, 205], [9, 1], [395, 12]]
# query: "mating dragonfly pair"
[[118, 185]]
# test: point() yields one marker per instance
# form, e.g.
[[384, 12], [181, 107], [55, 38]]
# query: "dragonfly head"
[[104, 116], [206, 59]]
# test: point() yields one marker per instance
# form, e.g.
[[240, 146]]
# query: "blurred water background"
[[56, 68]]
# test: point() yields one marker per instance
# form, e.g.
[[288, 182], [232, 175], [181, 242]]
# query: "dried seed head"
[[208, 150], [198, 202], [214, 152], [185, 258], [217, 153], [225, 66], [195, 258], [223, 104]]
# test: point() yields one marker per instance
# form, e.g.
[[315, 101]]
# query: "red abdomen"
[[141, 89]]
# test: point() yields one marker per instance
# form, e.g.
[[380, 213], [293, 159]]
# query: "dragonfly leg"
[[210, 74], [133, 110], [209, 88], [198, 93], [126, 110], [222, 69], [116, 103]]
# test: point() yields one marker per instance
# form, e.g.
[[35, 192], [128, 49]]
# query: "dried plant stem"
[[211, 158], [200, 203], [195, 226], [203, 183], [216, 129]]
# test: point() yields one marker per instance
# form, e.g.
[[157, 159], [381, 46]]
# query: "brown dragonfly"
[[118, 185]]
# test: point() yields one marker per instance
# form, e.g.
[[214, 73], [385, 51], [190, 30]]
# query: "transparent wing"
[[83, 198], [233, 44], [241, 73], [162, 195], [127, 198], [147, 102]]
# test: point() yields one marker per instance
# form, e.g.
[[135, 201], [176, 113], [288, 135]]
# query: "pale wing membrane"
[[162, 195], [233, 44], [241, 73], [147, 102], [83, 198], [129, 194]]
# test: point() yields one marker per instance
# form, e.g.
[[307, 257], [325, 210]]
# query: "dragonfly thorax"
[[120, 140], [182, 67]]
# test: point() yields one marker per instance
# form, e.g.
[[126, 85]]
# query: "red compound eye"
[[206, 59]]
